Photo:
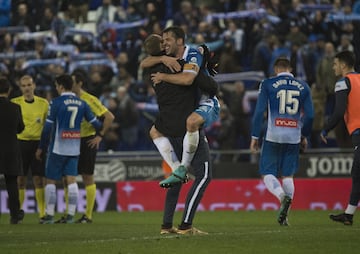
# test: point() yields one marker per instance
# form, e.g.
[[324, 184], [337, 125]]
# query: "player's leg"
[[16, 214], [38, 175], [167, 152], [53, 173], [190, 145], [165, 148], [62, 219], [39, 185], [27, 154], [21, 182], [268, 169], [289, 164], [191, 138], [203, 174], [205, 115], [172, 195], [347, 216], [90, 188], [86, 169], [70, 172]]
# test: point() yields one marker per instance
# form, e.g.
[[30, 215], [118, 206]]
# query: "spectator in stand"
[[235, 34], [281, 49], [262, 54], [240, 115], [6, 46], [345, 44], [295, 35], [311, 55], [226, 5], [123, 78], [128, 120], [5, 13], [46, 23], [23, 18], [105, 13], [318, 23], [323, 87], [227, 61], [78, 10], [227, 132], [185, 15]]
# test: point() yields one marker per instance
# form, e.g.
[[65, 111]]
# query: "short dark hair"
[[347, 57], [177, 32], [80, 76], [152, 45], [65, 80], [4, 85], [282, 62]]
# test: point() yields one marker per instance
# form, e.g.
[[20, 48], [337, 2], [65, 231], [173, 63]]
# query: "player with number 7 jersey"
[[288, 104], [62, 133]]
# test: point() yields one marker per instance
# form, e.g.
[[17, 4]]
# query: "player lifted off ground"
[[176, 103], [191, 73], [290, 112]]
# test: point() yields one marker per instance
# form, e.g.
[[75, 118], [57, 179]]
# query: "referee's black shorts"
[[29, 162], [87, 157]]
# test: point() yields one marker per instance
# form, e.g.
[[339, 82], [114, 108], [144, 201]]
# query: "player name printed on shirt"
[[286, 122], [70, 134]]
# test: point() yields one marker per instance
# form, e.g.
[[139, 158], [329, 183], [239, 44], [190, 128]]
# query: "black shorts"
[[87, 157], [29, 162]]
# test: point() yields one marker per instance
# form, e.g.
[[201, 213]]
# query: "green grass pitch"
[[138, 232]]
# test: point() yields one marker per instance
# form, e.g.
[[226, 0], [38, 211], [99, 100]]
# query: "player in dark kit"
[[176, 103]]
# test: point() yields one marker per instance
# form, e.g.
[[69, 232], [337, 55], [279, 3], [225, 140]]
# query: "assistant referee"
[[34, 111]]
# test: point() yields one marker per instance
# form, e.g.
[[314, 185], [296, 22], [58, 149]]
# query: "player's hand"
[[156, 78], [303, 144], [254, 145], [94, 142], [38, 154], [323, 135], [171, 63]]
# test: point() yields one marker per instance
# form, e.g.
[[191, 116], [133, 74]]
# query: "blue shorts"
[[279, 159], [58, 166], [209, 110]]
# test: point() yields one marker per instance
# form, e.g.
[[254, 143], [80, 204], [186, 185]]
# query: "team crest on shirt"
[[193, 60]]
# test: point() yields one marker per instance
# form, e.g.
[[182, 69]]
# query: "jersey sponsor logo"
[[285, 122], [70, 134]]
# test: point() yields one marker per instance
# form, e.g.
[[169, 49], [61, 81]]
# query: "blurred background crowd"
[[44, 38]]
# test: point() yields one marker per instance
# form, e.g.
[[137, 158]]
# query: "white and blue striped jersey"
[[193, 60], [63, 122], [208, 107], [289, 108]]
